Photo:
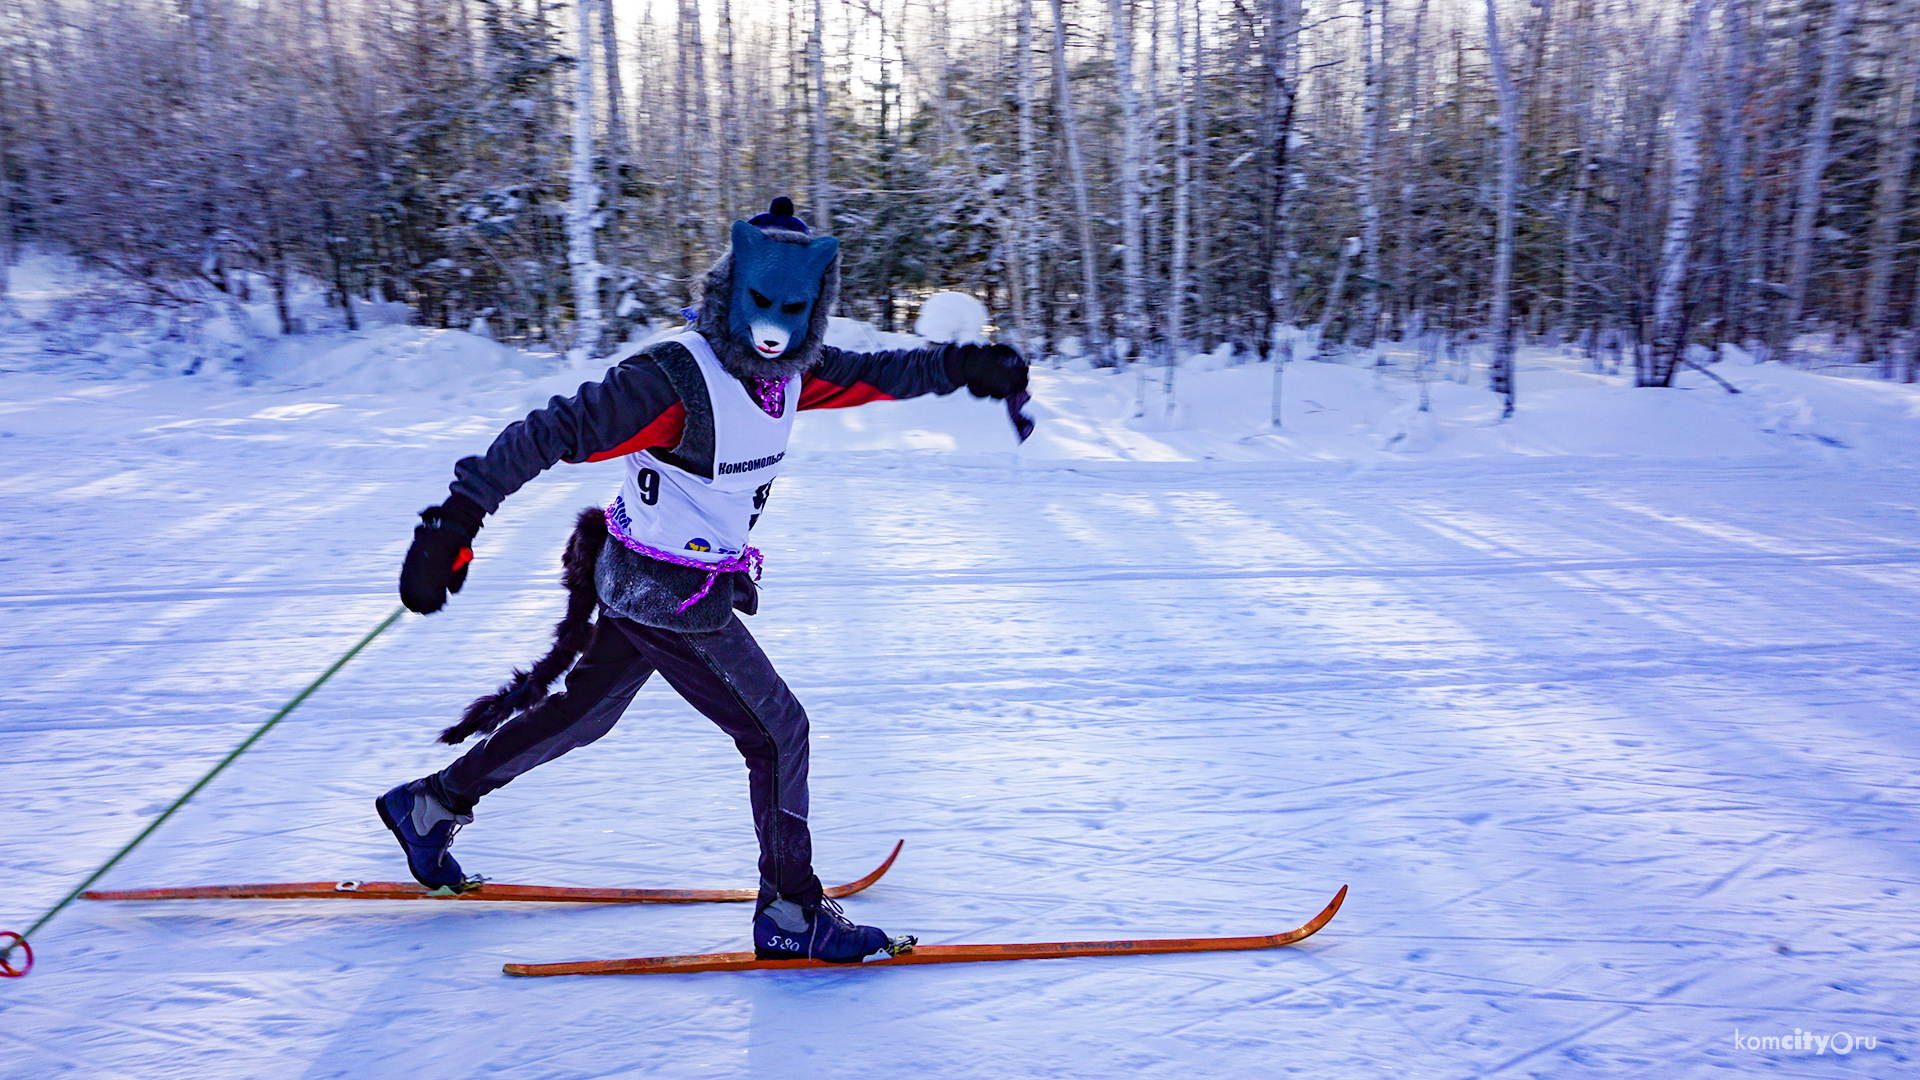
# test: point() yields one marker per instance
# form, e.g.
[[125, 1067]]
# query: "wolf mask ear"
[[747, 240], [823, 250]]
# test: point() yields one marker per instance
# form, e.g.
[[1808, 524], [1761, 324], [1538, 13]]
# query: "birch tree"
[[1178, 282], [9, 226], [1683, 199], [1814, 159], [1413, 165], [1501, 315], [1133, 272], [1894, 162], [821, 186], [1093, 322], [1029, 254], [703, 198], [581, 203], [1195, 98], [1283, 43], [731, 144], [618, 147], [1371, 11], [1737, 89]]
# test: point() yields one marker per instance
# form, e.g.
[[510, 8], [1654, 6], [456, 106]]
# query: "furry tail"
[[529, 688]]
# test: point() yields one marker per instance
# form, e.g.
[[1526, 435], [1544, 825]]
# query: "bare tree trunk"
[[1575, 293], [1763, 219], [731, 145], [1913, 323], [1735, 186], [1669, 298], [1095, 321], [675, 193], [1283, 21], [822, 193], [581, 203], [1889, 197], [9, 229], [943, 91], [1347, 251], [1152, 188], [206, 112], [1029, 254], [617, 145], [1501, 317], [1813, 161], [279, 272], [1372, 15], [1196, 96], [339, 265], [647, 104], [619, 149], [1414, 163], [202, 45], [1132, 274], [704, 196], [1182, 193]]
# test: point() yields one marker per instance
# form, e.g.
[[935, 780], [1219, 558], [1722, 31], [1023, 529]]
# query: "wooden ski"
[[407, 890], [934, 954]]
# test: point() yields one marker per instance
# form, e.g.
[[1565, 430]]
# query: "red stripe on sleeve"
[[663, 433], [818, 393]]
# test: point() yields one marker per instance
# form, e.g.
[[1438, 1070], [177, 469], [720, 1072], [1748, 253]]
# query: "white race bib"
[[706, 518]]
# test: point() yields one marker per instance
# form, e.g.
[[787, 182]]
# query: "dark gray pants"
[[723, 674]]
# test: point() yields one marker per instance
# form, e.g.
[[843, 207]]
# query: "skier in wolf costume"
[[701, 420]]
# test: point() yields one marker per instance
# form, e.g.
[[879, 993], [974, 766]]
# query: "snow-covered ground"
[[1604, 713]]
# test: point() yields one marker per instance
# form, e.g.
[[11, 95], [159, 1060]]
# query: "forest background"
[[1128, 181]]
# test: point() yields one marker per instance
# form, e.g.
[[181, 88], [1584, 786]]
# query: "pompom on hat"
[[780, 216]]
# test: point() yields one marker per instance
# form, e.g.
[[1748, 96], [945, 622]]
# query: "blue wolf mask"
[[765, 304]]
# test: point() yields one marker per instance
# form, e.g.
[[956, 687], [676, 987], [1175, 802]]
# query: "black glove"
[[442, 547], [995, 371]]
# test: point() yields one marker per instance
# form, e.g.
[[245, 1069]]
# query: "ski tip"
[[835, 892], [1327, 913]]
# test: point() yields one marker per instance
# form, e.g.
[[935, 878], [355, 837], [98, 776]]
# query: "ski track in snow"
[[1617, 758]]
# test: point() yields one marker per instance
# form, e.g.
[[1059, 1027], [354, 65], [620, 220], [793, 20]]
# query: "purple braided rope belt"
[[748, 559]]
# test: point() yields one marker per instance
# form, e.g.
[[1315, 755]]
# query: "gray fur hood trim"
[[738, 357]]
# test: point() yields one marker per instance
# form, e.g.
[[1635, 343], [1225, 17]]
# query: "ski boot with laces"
[[787, 930], [425, 828]]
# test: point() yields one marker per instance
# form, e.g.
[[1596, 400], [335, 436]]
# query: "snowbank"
[[1213, 414], [1346, 413]]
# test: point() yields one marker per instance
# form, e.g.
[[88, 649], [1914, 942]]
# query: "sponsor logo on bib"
[[620, 515], [697, 544], [729, 468]]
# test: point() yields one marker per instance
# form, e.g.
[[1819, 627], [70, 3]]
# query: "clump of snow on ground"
[[952, 317]]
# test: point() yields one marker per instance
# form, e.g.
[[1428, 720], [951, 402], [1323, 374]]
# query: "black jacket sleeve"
[[633, 404], [845, 378]]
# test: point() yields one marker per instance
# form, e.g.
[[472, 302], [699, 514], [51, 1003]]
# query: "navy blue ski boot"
[[425, 830], [784, 930]]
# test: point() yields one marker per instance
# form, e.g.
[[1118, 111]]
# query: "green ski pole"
[[11, 942]]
